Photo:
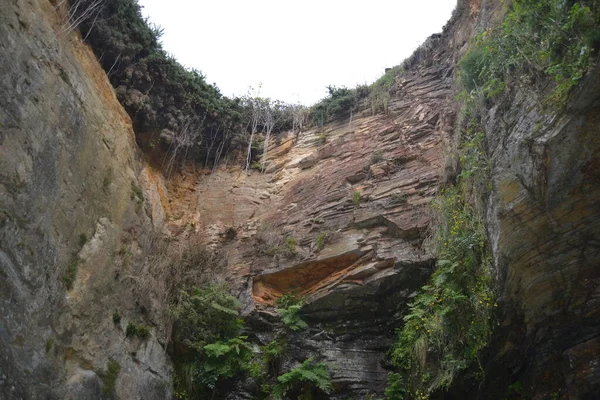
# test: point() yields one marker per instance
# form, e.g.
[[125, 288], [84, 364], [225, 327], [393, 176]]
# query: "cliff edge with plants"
[[431, 235]]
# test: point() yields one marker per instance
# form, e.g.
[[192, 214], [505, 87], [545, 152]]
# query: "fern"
[[289, 307], [224, 360], [307, 377]]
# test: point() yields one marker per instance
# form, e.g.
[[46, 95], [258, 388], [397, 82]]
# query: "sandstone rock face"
[[544, 222], [354, 197], [70, 192], [341, 216]]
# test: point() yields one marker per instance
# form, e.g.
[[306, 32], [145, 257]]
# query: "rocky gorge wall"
[[354, 195], [73, 219]]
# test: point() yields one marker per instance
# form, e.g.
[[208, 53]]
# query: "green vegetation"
[[305, 379], [109, 377], [71, 273], [116, 317], [160, 95], [271, 355], [288, 307], [450, 321], [339, 102], [381, 90], [138, 330], [514, 390], [321, 240], [395, 389], [138, 195], [398, 198], [287, 249], [322, 138], [82, 239], [49, 344], [224, 359], [356, 198], [258, 166], [208, 346], [376, 156], [553, 39]]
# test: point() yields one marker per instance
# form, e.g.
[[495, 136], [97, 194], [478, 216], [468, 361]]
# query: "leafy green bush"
[[449, 322], [381, 90], [287, 249], [116, 317], [553, 38], [109, 377], [339, 102], [395, 389], [206, 315], [71, 273], [159, 94], [305, 379], [257, 165], [208, 348], [139, 330], [356, 198], [288, 307], [321, 240]]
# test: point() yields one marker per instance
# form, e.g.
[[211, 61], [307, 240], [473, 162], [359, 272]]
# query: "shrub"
[[449, 322], [207, 345], [71, 273], [287, 249], [376, 157], [395, 389], [339, 102], [398, 198], [305, 379], [356, 198], [116, 317], [138, 330], [552, 38], [206, 315], [381, 90], [321, 239], [291, 243], [109, 377], [158, 93], [258, 166]]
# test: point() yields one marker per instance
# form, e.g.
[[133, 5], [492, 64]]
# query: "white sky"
[[294, 48]]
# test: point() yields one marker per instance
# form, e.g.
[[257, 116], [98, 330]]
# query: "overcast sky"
[[294, 48]]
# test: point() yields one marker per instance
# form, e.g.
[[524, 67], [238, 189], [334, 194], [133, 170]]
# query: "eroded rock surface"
[[70, 193], [363, 185]]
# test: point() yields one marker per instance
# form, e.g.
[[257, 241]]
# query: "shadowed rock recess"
[[341, 216]]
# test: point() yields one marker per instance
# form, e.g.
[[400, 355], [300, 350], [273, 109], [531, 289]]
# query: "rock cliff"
[[72, 218], [341, 216]]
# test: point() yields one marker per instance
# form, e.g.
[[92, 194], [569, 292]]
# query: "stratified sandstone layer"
[[374, 256]]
